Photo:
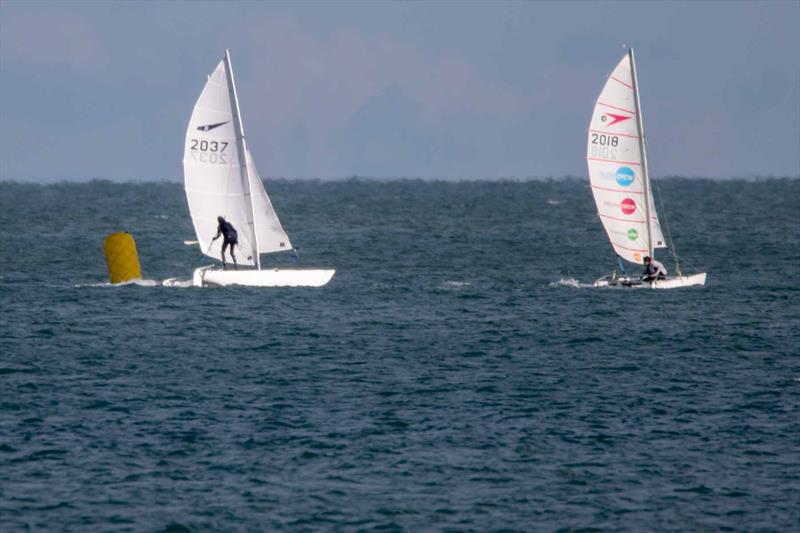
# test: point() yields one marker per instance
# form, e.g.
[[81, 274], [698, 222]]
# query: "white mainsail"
[[221, 178], [618, 167]]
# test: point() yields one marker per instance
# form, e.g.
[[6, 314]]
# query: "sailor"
[[229, 238], [653, 270]]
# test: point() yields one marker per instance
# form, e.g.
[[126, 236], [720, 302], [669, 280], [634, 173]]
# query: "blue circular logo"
[[625, 176]]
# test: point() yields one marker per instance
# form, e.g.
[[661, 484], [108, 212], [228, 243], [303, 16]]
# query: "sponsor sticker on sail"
[[625, 176], [612, 118], [627, 206]]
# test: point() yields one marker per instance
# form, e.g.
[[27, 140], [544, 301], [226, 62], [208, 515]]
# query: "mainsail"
[[220, 175], [618, 167]]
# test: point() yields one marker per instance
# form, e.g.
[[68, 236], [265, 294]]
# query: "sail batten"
[[220, 177], [617, 168]]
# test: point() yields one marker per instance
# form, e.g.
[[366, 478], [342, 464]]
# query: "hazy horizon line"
[[383, 179]]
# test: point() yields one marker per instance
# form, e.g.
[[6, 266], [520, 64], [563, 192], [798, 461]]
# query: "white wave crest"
[[139, 282], [179, 283], [570, 282], [454, 284]]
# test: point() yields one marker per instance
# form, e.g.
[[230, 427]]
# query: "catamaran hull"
[[204, 277], [669, 283]]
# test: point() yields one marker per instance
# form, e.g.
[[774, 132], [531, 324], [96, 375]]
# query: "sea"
[[459, 373]]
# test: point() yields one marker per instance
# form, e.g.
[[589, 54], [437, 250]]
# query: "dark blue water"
[[446, 379]]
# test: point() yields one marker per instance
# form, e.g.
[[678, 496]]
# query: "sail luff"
[[643, 150], [243, 155]]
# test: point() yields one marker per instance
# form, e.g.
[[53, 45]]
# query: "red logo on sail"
[[614, 118], [627, 206]]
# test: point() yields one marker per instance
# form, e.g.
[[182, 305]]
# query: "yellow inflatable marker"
[[121, 257]]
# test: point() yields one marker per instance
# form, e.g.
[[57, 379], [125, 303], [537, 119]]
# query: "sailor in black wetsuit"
[[229, 237]]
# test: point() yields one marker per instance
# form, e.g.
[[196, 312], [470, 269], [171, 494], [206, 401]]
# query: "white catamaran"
[[221, 179], [617, 160]]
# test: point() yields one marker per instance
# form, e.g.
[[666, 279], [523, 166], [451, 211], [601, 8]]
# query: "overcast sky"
[[435, 90]]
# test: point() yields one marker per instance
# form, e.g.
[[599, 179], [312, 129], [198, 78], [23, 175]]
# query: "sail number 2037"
[[605, 140], [208, 146]]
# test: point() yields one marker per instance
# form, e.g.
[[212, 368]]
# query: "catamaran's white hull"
[[262, 278], [669, 283]]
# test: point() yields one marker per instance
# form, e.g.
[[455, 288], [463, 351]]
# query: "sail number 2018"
[[208, 146], [605, 140]]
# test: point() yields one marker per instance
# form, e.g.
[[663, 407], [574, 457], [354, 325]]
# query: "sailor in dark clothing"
[[653, 270], [229, 238]]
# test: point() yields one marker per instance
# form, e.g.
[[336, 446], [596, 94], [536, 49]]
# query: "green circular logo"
[[633, 234]]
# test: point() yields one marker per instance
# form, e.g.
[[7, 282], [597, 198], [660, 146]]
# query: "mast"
[[243, 152], [643, 150]]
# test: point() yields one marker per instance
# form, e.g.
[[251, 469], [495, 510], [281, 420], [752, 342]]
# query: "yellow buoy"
[[121, 257]]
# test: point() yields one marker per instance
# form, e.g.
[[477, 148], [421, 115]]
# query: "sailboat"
[[221, 179], [617, 158]]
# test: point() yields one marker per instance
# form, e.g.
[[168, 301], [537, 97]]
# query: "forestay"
[[616, 169], [220, 175]]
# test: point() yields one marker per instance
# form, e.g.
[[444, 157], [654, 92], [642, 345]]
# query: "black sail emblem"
[[209, 127]]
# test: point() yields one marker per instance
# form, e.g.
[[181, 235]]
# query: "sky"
[[440, 90]]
